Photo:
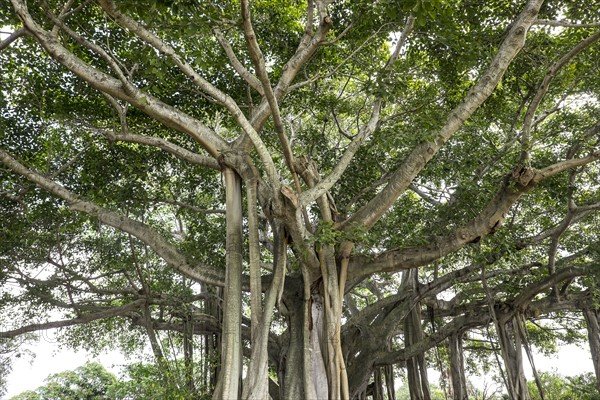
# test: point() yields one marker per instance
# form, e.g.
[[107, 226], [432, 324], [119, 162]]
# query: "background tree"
[[326, 191], [90, 381], [558, 387], [93, 381]]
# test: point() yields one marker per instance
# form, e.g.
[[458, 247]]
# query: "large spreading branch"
[[307, 47], [528, 121], [143, 232], [475, 315], [488, 220], [237, 65], [109, 312], [163, 144], [320, 188], [162, 112], [208, 88], [414, 163]]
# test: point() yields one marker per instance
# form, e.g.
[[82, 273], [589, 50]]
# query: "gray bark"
[[228, 386], [591, 319], [416, 368], [291, 367], [256, 386], [510, 344], [457, 367]]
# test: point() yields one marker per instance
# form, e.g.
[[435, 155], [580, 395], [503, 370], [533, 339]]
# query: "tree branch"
[[145, 233], [369, 214], [208, 88], [108, 313], [488, 220], [543, 89], [565, 23], [177, 151], [21, 32], [237, 65], [103, 82]]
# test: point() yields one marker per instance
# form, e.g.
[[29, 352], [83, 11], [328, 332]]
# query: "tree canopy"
[[326, 192]]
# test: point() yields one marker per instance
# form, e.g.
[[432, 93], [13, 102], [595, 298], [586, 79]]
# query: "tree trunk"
[[228, 385], [510, 344], [591, 319], [318, 372], [256, 386], [377, 384], [292, 367], [388, 371], [213, 342], [188, 352], [331, 321], [457, 367], [416, 368]]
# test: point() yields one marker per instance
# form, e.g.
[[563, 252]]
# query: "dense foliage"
[[326, 192]]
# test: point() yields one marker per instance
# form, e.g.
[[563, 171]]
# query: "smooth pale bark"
[[311, 350], [228, 385], [593, 328], [331, 321], [318, 372], [256, 387], [543, 89], [327, 182], [145, 233], [510, 341], [416, 368], [488, 220], [457, 367], [414, 163], [120, 88], [254, 258], [291, 369], [304, 344], [108, 313], [307, 47]]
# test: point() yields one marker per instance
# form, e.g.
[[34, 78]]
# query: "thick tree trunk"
[[318, 371], [303, 370], [416, 368], [510, 343], [257, 381], [228, 385], [457, 367], [331, 320], [591, 319], [292, 368]]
